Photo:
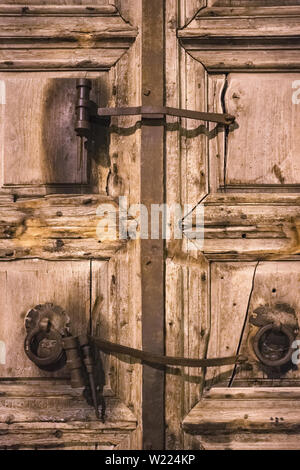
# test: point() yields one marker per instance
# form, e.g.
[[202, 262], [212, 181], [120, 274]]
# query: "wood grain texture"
[[187, 274], [57, 8], [267, 150], [188, 9], [92, 38], [245, 419], [37, 132], [272, 49], [56, 2], [275, 285], [83, 29], [251, 3], [62, 35], [116, 317], [217, 133], [51, 415], [187, 331], [244, 22], [24, 285], [121, 320], [58, 227], [228, 312], [241, 226]]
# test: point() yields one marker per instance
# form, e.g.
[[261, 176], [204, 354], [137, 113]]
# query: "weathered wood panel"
[[252, 3], [119, 318], [59, 227], [51, 415], [57, 2], [37, 129], [229, 309], [244, 418], [187, 332], [187, 274], [264, 149], [244, 22], [25, 284], [275, 286], [116, 317]]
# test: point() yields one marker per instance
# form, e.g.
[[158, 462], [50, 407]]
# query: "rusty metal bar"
[[152, 251], [159, 112], [145, 356]]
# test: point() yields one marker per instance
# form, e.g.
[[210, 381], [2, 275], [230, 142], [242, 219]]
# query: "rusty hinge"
[[88, 111]]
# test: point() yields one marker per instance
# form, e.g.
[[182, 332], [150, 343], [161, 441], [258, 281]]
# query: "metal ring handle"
[[56, 354], [256, 345]]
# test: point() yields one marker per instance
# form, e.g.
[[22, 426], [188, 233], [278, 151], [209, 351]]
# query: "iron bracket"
[[88, 111]]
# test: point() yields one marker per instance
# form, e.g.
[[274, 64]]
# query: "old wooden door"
[[51, 187], [240, 293], [235, 56]]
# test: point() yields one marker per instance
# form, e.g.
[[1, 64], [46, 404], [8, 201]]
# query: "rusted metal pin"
[[89, 364]]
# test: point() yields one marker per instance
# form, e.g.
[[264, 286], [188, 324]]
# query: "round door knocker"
[[46, 325], [273, 345], [273, 331]]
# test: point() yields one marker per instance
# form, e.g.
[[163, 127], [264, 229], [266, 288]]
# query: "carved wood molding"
[[62, 37], [251, 38]]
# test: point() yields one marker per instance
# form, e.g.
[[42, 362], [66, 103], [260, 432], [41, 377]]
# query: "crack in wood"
[[244, 325]]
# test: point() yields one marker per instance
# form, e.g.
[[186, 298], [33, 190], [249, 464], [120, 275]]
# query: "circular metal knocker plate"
[[44, 348], [46, 325], [273, 345]]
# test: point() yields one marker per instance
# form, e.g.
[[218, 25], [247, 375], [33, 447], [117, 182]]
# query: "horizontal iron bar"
[[148, 357], [161, 111]]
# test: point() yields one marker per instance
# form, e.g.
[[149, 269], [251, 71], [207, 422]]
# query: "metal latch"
[[50, 345], [89, 112]]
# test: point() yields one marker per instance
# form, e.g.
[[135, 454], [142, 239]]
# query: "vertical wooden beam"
[[152, 251]]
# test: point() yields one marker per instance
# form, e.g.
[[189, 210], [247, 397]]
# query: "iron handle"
[[274, 352], [44, 347], [87, 111], [74, 362]]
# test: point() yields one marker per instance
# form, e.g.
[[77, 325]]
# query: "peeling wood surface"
[[243, 226], [55, 227]]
